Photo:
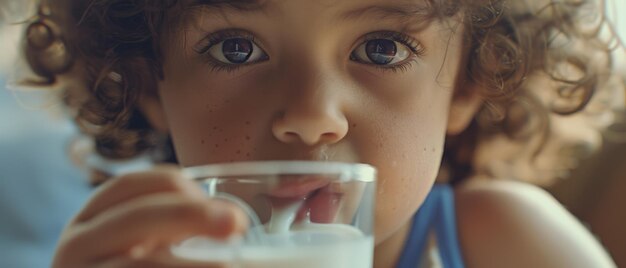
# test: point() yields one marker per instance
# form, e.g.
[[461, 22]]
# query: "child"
[[402, 85]]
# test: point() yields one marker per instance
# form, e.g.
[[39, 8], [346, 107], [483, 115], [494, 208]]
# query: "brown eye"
[[381, 52], [237, 51]]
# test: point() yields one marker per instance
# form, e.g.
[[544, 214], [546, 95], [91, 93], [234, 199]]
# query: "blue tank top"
[[437, 214]]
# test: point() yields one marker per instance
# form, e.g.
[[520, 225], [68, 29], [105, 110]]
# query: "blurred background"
[[596, 191], [40, 189]]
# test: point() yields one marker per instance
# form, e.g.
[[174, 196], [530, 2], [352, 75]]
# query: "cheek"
[[408, 165], [405, 144], [222, 122]]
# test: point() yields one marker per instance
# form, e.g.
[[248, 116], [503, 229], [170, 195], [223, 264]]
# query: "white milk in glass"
[[303, 245], [281, 243], [303, 249]]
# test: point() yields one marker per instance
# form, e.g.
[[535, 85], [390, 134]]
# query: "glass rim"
[[346, 171]]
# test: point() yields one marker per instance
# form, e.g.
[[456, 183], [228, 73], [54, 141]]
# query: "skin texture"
[[309, 101], [316, 102]]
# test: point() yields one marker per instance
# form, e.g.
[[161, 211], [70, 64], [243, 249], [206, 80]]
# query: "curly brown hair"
[[116, 43]]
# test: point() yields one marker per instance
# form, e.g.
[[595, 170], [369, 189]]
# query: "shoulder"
[[513, 224]]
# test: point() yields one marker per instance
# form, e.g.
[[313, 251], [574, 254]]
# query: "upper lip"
[[299, 187], [310, 153]]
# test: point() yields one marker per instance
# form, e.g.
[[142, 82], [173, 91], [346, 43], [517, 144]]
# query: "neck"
[[387, 253]]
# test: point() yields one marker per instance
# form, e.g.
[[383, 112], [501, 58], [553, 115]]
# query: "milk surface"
[[330, 246]]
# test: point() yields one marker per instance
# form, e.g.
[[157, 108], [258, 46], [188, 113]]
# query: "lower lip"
[[321, 207]]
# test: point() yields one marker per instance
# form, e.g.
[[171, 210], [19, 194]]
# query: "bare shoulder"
[[513, 224]]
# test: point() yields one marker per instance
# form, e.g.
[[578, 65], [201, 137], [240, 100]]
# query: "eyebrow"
[[409, 12], [239, 5], [195, 9]]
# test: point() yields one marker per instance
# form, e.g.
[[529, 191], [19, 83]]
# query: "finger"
[[161, 259], [124, 188], [128, 262], [161, 218]]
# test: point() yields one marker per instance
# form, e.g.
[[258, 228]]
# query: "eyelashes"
[[388, 51], [229, 50]]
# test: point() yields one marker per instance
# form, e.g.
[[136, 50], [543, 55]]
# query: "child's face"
[[299, 79]]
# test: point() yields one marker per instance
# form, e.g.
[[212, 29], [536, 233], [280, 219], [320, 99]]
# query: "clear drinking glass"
[[303, 214]]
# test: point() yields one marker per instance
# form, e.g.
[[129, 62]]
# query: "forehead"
[[402, 10], [263, 4]]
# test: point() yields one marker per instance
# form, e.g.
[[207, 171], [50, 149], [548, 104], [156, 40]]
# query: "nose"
[[312, 116]]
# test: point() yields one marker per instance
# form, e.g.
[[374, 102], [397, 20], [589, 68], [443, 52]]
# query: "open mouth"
[[320, 199], [322, 206], [298, 187], [286, 191]]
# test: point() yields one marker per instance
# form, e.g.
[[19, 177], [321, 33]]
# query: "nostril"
[[290, 136], [329, 137], [309, 130]]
